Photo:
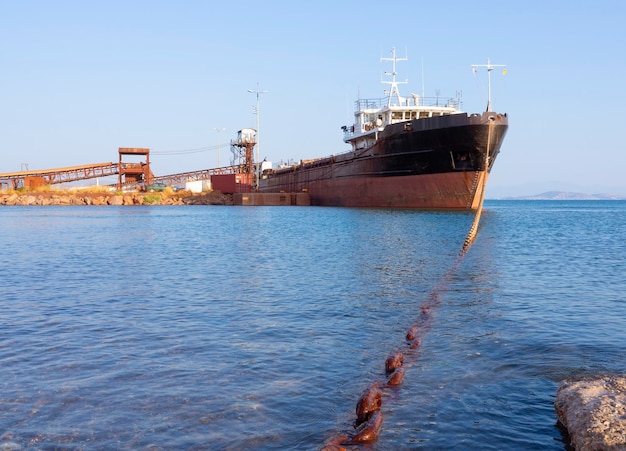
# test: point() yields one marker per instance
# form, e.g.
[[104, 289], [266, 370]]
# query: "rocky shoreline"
[[169, 197], [593, 411]]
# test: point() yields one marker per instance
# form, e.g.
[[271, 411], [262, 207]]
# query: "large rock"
[[10, 199], [99, 200], [116, 200], [60, 200], [128, 200], [28, 200], [594, 413]]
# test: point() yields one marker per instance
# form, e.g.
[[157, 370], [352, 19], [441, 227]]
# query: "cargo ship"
[[406, 152]]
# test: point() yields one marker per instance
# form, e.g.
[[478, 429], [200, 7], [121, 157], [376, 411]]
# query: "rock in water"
[[594, 412]]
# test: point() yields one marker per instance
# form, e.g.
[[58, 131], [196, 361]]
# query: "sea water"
[[243, 328]]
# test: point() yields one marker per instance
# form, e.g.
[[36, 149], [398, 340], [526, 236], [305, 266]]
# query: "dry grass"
[[49, 195]]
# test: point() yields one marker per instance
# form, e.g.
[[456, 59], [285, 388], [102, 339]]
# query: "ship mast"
[[394, 84], [489, 67]]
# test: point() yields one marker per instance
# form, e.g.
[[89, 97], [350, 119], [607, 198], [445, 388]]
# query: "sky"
[[79, 79]]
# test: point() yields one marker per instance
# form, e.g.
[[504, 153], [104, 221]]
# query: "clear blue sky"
[[78, 79]]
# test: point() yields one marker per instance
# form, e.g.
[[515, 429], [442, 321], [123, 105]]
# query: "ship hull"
[[429, 191], [433, 163]]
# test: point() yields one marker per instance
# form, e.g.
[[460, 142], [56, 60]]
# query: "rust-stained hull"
[[433, 163], [430, 191]]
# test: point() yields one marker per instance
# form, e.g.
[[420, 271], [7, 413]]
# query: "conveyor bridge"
[[34, 178]]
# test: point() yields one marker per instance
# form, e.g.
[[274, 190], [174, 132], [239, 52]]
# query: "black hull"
[[439, 149]]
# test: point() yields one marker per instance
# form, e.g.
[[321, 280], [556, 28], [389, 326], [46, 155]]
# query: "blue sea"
[[240, 328]]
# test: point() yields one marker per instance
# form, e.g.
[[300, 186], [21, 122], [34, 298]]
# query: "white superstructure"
[[373, 115]]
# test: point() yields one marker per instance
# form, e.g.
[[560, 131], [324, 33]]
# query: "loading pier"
[[134, 172], [130, 174]]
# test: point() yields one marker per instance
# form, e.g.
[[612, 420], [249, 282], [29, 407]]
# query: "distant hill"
[[554, 190], [565, 195]]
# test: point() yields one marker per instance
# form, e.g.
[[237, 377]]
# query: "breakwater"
[[101, 198]]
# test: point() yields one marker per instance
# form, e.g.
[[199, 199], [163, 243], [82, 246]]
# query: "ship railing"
[[414, 101]]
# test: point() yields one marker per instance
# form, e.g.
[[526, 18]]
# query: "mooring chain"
[[474, 187], [369, 417]]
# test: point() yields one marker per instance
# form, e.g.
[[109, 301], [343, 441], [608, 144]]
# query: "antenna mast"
[[394, 84], [489, 67]]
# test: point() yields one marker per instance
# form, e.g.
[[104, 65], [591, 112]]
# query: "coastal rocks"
[[594, 413], [116, 200], [78, 197], [10, 199]]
